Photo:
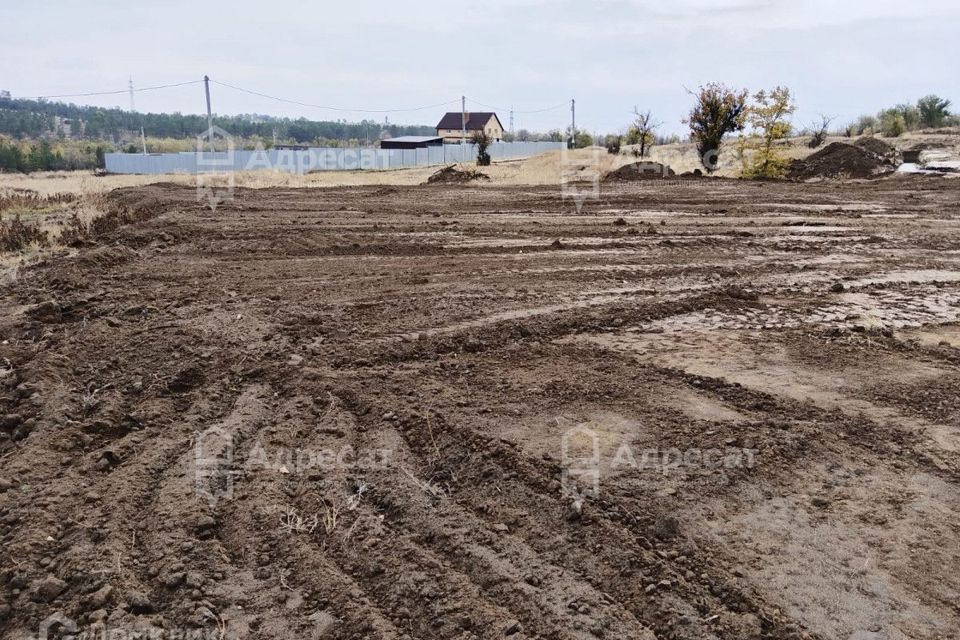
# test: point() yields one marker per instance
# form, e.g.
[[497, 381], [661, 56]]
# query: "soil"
[[879, 148], [342, 413], [452, 175], [866, 158], [645, 170]]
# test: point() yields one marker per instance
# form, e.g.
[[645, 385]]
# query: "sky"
[[841, 58]]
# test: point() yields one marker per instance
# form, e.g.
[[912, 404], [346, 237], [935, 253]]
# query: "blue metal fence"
[[302, 161]]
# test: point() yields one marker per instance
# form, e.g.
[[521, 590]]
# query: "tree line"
[[930, 112], [23, 118], [43, 155]]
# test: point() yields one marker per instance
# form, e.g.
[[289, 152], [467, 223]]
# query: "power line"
[[131, 91], [113, 93], [329, 108], [519, 111]]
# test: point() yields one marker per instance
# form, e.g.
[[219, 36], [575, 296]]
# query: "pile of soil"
[[452, 175], [645, 170], [881, 149], [866, 158]]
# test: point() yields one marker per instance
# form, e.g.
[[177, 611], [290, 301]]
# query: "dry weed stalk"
[[292, 522], [331, 513], [90, 400], [436, 449]]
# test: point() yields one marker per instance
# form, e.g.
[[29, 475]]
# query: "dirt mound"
[[452, 175], [108, 256], [881, 149], [866, 158], [646, 170]]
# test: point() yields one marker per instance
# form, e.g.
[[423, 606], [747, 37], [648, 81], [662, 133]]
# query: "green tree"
[[718, 111], [934, 111], [769, 118]]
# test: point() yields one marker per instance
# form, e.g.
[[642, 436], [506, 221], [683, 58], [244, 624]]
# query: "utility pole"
[[463, 120], [573, 123], [511, 120], [133, 109], [206, 86]]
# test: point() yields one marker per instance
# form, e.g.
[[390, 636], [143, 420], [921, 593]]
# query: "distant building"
[[411, 142], [450, 127]]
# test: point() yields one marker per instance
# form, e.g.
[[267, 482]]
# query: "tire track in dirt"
[[312, 298], [466, 461]]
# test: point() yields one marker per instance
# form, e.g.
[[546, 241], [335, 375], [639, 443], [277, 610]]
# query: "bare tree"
[[642, 130], [818, 131]]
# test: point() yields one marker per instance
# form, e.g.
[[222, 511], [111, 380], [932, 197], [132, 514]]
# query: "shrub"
[[16, 234], [582, 140], [864, 125], [613, 145], [892, 123], [818, 132], [482, 140]]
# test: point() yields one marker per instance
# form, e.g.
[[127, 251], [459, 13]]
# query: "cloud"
[[841, 58]]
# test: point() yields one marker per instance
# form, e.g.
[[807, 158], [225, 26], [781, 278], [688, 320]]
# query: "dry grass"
[[57, 214], [16, 234], [50, 183], [538, 170]]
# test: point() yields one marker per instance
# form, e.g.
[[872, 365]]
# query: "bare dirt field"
[[342, 413]]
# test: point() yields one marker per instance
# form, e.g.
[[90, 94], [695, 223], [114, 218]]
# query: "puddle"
[[934, 336], [921, 275], [841, 206]]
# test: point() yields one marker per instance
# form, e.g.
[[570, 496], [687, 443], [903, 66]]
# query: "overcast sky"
[[840, 57]]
